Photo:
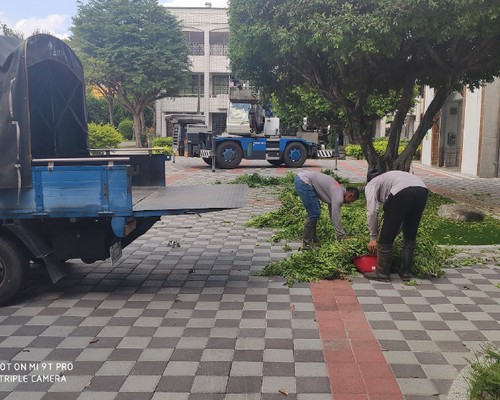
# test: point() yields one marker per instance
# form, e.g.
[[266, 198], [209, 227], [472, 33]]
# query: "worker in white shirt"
[[403, 197]]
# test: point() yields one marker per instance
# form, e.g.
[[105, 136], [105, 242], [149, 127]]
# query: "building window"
[[220, 84], [218, 43], [194, 86], [196, 43]]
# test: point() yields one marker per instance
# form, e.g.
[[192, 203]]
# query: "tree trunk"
[[391, 152], [362, 135], [111, 102], [138, 128], [153, 128]]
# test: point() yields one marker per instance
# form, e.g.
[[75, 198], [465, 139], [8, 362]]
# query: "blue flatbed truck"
[[57, 201]]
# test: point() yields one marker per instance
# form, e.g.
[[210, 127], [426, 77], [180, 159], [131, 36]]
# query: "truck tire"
[[295, 155], [275, 163], [228, 155], [208, 160], [14, 265]]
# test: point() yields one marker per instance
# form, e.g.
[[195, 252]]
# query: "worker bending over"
[[403, 196], [312, 186]]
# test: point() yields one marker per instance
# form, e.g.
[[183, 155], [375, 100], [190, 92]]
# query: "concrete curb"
[[459, 389]]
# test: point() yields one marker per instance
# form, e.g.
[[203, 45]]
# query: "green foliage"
[[380, 145], [256, 180], [126, 128], [98, 110], [332, 258], [165, 143], [484, 379], [133, 49], [354, 150], [6, 31], [103, 136], [364, 56], [300, 101]]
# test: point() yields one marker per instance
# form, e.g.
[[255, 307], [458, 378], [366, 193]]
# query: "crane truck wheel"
[[228, 155], [295, 155], [14, 265], [208, 160]]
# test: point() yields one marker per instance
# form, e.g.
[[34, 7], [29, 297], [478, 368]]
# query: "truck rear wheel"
[[14, 265], [229, 155], [208, 160], [295, 155]]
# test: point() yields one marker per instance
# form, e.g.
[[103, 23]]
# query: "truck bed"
[[170, 200], [81, 190]]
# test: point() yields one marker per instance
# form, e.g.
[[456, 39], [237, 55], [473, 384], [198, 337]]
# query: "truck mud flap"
[[39, 249], [173, 200]]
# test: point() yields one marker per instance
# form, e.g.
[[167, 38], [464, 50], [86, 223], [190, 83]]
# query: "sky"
[[54, 16]]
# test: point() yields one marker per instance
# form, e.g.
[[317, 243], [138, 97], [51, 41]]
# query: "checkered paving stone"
[[183, 316], [428, 332]]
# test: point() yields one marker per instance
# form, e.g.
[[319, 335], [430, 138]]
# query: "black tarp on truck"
[[42, 98]]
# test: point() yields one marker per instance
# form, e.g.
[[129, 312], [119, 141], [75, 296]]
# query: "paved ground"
[[183, 316]]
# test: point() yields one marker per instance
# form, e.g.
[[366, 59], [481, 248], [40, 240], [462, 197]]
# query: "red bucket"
[[366, 263]]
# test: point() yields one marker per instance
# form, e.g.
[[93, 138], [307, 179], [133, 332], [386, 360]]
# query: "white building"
[[206, 30], [466, 136]]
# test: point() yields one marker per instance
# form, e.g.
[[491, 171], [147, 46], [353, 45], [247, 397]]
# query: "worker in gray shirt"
[[312, 186], [403, 196]]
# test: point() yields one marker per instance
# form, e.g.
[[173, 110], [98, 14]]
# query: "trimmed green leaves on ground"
[[333, 259]]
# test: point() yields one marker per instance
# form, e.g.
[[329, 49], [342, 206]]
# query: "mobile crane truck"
[[251, 134], [57, 200]]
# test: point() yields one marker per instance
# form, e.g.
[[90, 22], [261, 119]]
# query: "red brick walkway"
[[356, 365]]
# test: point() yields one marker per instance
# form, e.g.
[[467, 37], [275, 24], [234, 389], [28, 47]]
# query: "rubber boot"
[[384, 260], [309, 234], [407, 253]]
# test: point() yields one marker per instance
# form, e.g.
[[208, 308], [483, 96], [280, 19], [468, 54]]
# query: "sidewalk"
[[183, 316]]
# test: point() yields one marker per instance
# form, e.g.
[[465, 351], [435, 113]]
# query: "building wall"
[[427, 143], [206, 20], [480, 131], [471, 131], [490, 138]]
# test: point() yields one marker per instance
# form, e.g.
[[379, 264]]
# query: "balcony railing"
[[196, 49], [218, 49]]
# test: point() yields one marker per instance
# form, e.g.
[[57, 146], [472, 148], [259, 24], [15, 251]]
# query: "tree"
[[96, 76], [361, 52], [98, 110], [6, 31], [299, 102], [132, 49]]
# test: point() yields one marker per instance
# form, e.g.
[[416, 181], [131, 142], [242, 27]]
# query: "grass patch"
[[448, 232], [484, 380]]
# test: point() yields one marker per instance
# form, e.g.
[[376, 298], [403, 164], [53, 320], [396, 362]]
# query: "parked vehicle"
[[251, 134], [57, 201]]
